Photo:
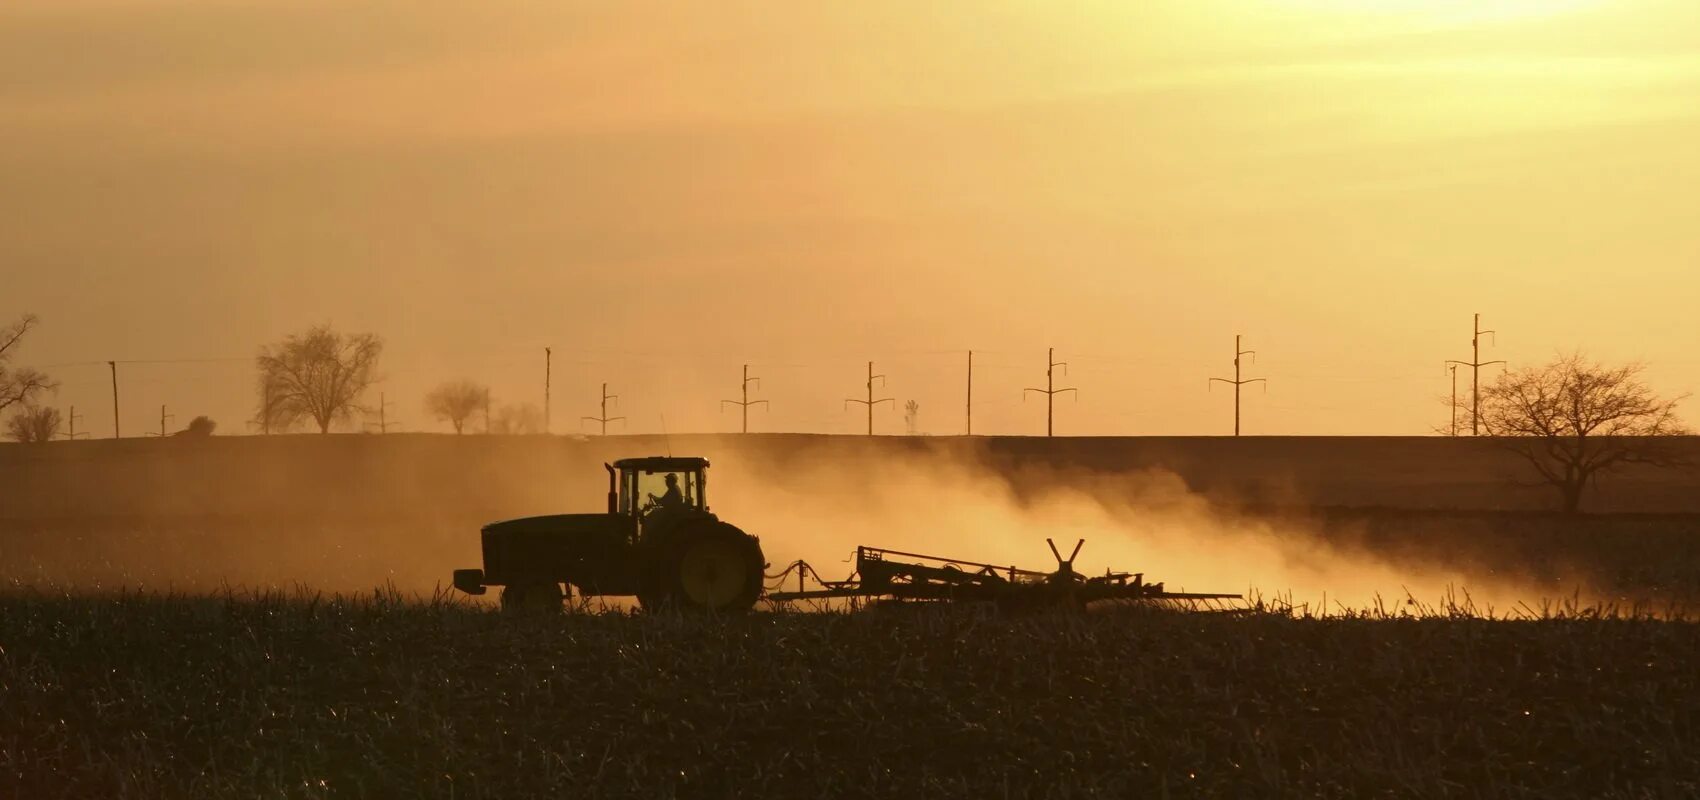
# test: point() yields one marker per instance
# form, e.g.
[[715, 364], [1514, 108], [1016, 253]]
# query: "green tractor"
[[657, 542]]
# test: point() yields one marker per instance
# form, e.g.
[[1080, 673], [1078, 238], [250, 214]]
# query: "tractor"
[[657, 541]]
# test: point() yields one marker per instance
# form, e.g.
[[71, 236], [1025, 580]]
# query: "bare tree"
[[456, 401], [1573, 421], [522, 419], [317, 376], [18, 385], [34, 424], [911, 415]]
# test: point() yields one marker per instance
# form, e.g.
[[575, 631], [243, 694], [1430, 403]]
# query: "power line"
[[1358, 378], [1475, 364], [1050, 391], [144, 361], [181, 360], [871, 402], [604, 419], [744, 404], [1237, 382]]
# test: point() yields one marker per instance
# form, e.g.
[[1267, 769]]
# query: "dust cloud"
[[1149, 521]]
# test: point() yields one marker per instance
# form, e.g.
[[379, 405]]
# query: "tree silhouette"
[[456, 401], [525, 418], [199, 426], [1573, 421], [34, 424], [318, 376], [18, 385]]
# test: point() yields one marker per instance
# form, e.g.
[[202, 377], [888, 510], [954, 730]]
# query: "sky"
[[664, 192]]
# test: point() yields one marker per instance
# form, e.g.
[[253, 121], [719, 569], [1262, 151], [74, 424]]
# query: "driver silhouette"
[[671, 498]]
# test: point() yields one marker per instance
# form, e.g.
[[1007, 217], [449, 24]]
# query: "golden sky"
[[664, 191]]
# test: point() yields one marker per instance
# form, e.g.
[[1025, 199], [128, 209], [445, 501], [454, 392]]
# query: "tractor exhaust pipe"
[[613, 495]]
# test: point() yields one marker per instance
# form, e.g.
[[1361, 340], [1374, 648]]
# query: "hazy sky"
[[664, 191]]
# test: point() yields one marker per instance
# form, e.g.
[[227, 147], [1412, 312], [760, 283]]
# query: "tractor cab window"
[[681, 489]]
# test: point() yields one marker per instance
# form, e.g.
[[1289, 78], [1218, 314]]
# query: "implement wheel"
[[709, 568], [532, 598]]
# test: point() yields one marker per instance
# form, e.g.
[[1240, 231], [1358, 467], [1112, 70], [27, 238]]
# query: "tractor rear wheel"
[[710, 568], [531, 598]]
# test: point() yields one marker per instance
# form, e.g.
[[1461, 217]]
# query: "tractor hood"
[[553, 523], [552, 548]]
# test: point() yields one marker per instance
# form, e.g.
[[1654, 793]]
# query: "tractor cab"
[[657, 490]]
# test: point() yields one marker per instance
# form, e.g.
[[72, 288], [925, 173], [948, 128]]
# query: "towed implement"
[[659, 542], [895, 575]]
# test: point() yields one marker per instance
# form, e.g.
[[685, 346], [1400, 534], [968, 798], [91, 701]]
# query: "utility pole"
[[744, 404], [265, 408], [1475, 364], [1237, 382], [1454, 368], [604, 419], [114, 366], [970, 425], [383, 414], [162, 418], [1050, 391], [71, 421], [548, 363], [871, 402]]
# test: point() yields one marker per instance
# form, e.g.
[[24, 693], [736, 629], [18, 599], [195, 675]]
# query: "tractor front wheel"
[[532, 598]]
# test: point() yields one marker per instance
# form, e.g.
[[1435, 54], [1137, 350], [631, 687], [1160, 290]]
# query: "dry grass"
[[376, 696]]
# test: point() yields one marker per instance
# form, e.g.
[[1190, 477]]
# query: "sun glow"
[[1451, 11]]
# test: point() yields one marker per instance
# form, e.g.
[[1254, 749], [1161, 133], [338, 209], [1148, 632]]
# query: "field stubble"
[[273, 695]]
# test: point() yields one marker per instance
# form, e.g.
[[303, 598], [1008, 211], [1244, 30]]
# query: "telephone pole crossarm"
[[1239, 383], [603, 420]]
